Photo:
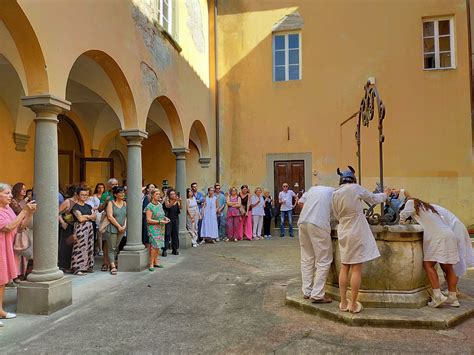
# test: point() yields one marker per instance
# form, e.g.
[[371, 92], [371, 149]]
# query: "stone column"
[[134, 256], [46, 290], [184, 238]]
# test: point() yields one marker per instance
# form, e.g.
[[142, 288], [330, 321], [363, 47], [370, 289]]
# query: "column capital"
[[180, 152], [134, 136], [46, 103], [205, 162], [21, 140]]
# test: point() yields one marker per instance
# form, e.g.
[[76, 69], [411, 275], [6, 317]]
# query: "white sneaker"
[[437, 301], [452, 302], [101, 253], [195, 245], [1, 324]]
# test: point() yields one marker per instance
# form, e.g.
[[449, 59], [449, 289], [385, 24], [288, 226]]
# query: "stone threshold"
[[423, 318]]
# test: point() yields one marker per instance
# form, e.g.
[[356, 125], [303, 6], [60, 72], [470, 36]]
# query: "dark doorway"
[[292, 172]]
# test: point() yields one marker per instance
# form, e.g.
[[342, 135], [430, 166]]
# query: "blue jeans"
[[282, 222]]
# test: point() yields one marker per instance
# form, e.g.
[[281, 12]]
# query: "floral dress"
[[156, 232]]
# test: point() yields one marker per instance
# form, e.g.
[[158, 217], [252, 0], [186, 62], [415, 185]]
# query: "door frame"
[[71, 154], [308, 167]]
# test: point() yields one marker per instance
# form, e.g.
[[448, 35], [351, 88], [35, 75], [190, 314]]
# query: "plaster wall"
[[427, 129]]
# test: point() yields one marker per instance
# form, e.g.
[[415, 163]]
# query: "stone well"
[[394, 280]]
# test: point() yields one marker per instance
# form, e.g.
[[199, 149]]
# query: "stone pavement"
[[224, 298]]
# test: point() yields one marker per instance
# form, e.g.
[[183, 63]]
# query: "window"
[[438, 43], [286, 57], [165, 15]]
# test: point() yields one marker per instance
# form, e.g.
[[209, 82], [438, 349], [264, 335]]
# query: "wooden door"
[[291, 172]]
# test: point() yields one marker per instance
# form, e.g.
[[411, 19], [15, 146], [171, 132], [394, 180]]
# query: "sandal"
[[113, 270], [358, 309], [344, 309], [104, 267]]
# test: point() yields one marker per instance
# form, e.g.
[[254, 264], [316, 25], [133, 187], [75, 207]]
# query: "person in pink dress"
[[234, 232], [9, 223]]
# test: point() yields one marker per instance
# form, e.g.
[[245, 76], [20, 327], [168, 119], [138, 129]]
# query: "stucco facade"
[[111, 61], [428, 130]]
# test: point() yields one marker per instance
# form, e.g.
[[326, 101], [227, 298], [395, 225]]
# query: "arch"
[[203, 144], [177, 135], [70, 150], [28, 46], [77, 133], [119, 82], [105, 141], [11, 91]]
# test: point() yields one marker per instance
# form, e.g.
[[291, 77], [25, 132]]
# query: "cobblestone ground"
[[226, 298]]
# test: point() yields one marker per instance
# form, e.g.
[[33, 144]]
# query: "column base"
[[133, 260], [184, 240], [44, 297]]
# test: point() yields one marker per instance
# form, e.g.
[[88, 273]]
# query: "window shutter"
[[174, 23]]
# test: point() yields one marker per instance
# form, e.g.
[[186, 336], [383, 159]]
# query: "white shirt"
[[258, 210], [287, 197], [94, 202], [192, 202], [317, 208]]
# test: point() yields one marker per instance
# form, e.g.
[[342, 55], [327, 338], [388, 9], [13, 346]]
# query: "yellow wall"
[[159, 163], [428, 122], [112, 62], [16, 166]]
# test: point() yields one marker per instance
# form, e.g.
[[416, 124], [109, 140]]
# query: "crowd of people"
[[446, 240], [94, 222]]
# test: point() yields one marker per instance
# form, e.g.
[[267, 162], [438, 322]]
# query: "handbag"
[[22, 241], [242, 210], [68, 218], [104, 222]]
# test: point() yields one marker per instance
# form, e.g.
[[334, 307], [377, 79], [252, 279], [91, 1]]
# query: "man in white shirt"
[[315, 242], [285, 198]]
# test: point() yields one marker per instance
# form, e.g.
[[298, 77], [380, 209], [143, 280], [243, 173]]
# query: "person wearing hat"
[[315, 242], [356, 242]]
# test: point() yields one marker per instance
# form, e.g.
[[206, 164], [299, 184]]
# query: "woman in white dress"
[[439, 246], [209, 228], [463, 240], [356, 241]]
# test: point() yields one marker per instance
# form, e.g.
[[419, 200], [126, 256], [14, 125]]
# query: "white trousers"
[[257, 224], [316, 259]]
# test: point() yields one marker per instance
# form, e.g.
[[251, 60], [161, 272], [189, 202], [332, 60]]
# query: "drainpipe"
[[216, 98], [471, 79]]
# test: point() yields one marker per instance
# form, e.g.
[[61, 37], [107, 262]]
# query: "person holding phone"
[[9, 223], [156, 221]]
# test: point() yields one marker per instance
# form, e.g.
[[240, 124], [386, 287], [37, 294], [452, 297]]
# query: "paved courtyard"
[[226, 298]]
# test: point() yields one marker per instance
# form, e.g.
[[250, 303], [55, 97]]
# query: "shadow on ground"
[[223, 298]]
